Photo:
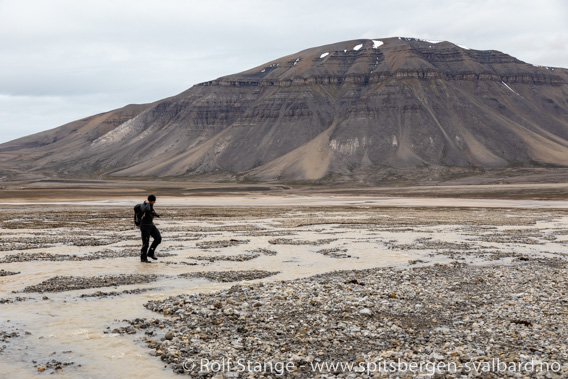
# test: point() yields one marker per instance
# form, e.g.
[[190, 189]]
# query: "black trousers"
[[147, 232]]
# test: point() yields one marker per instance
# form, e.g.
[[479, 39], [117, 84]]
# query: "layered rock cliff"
[[331, 111]]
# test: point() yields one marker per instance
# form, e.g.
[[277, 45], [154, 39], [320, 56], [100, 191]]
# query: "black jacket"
[[149, 214]]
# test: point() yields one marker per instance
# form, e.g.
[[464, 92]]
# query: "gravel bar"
[[458, 315]]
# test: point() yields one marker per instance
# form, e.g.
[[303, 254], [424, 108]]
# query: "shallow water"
[[65, 327]]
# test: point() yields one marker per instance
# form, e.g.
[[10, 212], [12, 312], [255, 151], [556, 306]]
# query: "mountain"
[[353, 110]]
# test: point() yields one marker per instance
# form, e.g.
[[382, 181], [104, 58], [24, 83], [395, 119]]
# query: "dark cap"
[[151, 198]]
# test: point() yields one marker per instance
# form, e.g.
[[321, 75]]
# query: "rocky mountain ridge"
[[342, 112], [409, 58]]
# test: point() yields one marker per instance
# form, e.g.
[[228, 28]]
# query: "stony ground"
[[71, 283], [458, 315], [470, 289]]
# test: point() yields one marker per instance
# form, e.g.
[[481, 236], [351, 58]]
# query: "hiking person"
[[148, 229]]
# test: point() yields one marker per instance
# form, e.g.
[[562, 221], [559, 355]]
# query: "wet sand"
[[72, 283]]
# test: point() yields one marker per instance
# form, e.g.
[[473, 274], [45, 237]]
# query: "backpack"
[[138, 213]]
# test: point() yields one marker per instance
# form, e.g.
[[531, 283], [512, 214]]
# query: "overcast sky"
[[61, 60]]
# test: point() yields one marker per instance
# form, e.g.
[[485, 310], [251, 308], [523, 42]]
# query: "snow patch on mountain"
[[377, 44], [512, 90]]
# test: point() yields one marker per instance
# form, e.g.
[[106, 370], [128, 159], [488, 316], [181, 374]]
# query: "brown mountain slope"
[[331, 111]]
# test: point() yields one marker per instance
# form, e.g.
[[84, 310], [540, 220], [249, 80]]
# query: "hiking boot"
[[153, 257], [145, 261]]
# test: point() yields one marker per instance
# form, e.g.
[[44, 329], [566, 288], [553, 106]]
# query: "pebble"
[[14, 299], [290, 241], [7, 273], [55, 365], [335, 253], [70, 283], [116, 293], [435, 313], [221, 244], [7, 335], [229, 276], [231, 258], [513, 308]]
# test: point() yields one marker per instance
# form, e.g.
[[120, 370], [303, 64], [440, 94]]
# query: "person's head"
[[151, 199]]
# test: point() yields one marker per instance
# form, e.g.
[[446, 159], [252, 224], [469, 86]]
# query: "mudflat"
[[280, 282]]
